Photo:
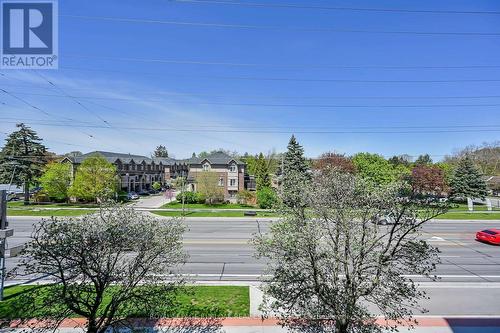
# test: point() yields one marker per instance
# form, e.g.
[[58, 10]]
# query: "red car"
[[491, 236]]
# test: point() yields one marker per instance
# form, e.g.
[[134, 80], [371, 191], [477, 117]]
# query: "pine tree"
[[22, 158], [296, 175], [263, 179], [467, 181], [160, 151]]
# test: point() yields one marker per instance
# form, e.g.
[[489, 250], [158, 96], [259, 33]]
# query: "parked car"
[[153, 191], [12, 196], [144, 193], [491, 236], [132, 196], [385, 219]]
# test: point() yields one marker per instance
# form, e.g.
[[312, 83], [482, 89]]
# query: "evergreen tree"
[[296, 175], [160, 151], [22, 158], [263, 179], [467, 181]]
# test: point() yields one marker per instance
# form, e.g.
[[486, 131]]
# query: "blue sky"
[[263, 79]]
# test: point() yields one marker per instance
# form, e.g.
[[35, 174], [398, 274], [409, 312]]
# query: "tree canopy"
[[295, 175], [332, 265], [22, 158], [56, 180], [95, 179], [262, 176], [160, 151], [106, 266], [374, 168], [467, 181], [207, 185]]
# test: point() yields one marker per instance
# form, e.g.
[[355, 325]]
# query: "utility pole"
[[4, 233]]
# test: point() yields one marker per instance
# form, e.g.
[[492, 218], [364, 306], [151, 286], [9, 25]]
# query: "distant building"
[[138, 173]]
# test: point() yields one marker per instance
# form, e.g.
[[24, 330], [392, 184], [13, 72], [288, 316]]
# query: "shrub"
[[156, 186], [266, 198], [246, 197], [189, 197]]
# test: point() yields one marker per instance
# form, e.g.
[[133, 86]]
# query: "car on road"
[[491, 236], [132, 196], [387, 219], [143, 193]]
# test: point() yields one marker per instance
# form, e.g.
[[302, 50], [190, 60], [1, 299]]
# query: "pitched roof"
[[214, 158]]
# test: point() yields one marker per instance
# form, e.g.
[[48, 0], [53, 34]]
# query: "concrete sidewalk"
[[252, 325]]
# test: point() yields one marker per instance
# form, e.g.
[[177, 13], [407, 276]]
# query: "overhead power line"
[[301, 66], [291, 105], [334, 8], [258, 78], [284, 28], [288, 131]]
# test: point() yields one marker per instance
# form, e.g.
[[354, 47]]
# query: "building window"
[[232, 182], [206, 167], [232, 168], [221, 181]]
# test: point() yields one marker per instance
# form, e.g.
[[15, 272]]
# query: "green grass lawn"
[[454, 215], [192, 301], [477, 207], [175, 204], [48, 212], [20, 204], [214, 214]]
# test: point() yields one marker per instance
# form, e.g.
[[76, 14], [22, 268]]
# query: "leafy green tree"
[[160, 151], [467, 181], [56, 180], [263, 179], [156, 186], [423, 160], [266, 198], [296, 175], [22, 158], [95, 180], [374, 168], [208, 186]]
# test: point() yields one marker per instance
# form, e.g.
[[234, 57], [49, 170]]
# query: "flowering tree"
[[427, 179], [331, 264]]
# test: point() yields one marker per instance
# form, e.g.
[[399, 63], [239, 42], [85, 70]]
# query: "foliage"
[[267, 198], [189, 197], [296, 175], [485, 156], [56, 180], [423, 160], [156, 186], [374, 168], [160, 151], [95, 180], [397, 160], [208, 187], [246, 197], [204, 154], [427, 179], [262, 176], [336, 161], [22, 158], [328, 268], [105, 266], [448, 170], [467, 181]]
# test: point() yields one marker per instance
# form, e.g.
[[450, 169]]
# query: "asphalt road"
[[220, 254], [219, 248]]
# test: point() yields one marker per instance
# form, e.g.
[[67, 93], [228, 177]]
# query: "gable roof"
[[215, 158]]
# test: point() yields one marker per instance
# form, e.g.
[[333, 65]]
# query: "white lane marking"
[[436, 239]]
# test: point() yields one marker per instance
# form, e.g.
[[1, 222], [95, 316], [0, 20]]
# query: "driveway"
[[153, 201]]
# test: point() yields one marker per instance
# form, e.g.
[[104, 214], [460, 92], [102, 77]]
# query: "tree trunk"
[[92, 327], [341, 327], [26, 193]]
